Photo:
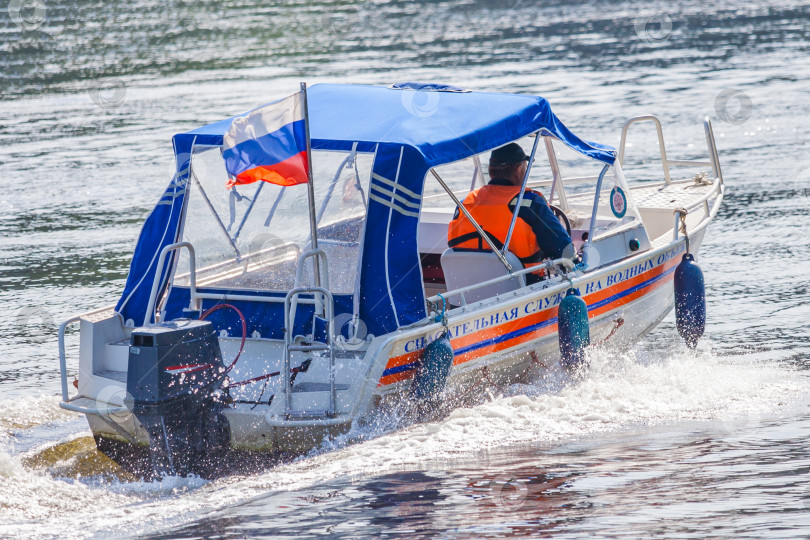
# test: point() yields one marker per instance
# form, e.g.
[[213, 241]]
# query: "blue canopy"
[[444, 126], [412, 128]]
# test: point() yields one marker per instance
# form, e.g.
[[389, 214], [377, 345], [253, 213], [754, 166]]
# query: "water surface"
[[656, 441]]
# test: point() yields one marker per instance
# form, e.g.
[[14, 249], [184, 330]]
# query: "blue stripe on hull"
[[522, 331]]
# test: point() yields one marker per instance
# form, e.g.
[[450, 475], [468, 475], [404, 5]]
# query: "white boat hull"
[[495, 339], [284, 399]]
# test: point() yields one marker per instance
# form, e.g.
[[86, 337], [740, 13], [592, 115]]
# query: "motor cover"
[[175, 369], [172, 359]]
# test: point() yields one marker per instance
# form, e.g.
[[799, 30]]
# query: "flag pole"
[[313, 224]]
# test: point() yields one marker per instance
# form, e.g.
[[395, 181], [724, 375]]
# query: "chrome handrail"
[[288, 337], [192, 265], [66, 399], [718, 187], [317, 253], [246, 259], [711, 144], [661, 146], [320, 258], [62, 355], [714, 163]]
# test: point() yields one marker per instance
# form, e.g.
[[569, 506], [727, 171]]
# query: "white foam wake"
[[30, 411], [618, 392]]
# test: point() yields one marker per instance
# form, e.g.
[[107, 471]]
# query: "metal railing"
[[66, 399], [661, 147], [714, 162], [207, 275], [195, 296], [323, 267], [712, 144], [316, 254], [665, 161], [192, 264], [717, 190], [289, 348]]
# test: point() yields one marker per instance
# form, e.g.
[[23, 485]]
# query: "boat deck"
[[670, 196], [657, 203]]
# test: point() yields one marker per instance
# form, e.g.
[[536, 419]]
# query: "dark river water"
[[657, 441]]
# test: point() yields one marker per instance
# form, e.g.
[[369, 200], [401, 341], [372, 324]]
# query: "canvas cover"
[[411, 129]]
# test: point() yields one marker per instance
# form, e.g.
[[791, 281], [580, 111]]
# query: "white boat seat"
[[464, 267]]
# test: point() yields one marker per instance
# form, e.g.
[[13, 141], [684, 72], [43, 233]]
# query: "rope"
[[682, 212], [484, 375], [441, 317], [618, 324], [261, 394], [535, 361], [295, 371], [702, 179]]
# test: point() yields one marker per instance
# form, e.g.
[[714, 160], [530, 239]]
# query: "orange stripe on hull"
[[533, 319]]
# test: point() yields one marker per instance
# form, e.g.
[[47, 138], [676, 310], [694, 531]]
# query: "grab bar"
[[61, 344], [661, 146], [711, 144], [289, 322], [66, 399], [193, 300], [62, 356], [322, 267]]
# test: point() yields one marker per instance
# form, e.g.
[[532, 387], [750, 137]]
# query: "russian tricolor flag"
[[268, 144]]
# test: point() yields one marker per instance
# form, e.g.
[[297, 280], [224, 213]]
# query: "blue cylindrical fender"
[[432, 369], [572, 328], [690, 300]]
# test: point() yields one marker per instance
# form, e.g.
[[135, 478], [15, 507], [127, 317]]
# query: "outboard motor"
[[175, 371]]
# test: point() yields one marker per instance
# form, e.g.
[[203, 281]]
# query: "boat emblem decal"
[[618, 202]]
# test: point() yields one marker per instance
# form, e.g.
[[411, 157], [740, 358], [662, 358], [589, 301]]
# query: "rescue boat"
[[243, 330]]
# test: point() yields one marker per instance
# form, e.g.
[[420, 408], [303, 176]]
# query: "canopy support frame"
[[475, 224], [594, 212], [520, 195], [557, 186], [248, 211], [216, 216]]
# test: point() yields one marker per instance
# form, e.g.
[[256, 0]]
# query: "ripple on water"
[[654, 442]]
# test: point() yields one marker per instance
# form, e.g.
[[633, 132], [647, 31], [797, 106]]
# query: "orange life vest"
[[489, 207]]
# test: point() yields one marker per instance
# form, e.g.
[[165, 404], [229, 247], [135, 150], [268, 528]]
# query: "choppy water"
[[655, 442]]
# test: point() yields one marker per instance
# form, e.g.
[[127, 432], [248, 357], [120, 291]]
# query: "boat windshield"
[[575, 191], [251, 236]]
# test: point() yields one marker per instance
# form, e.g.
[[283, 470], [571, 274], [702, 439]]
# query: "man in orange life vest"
[[538, 234]]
